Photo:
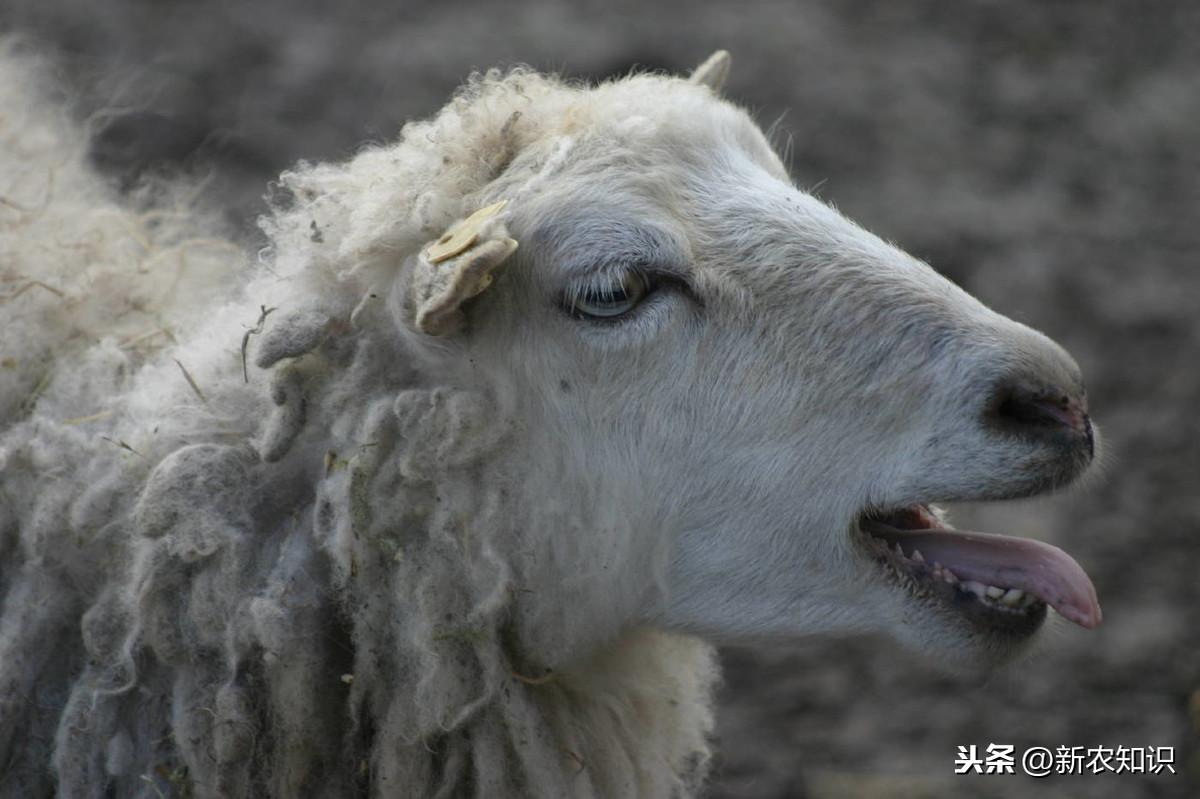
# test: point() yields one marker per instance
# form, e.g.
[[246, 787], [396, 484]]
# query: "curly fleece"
[[250, 545]]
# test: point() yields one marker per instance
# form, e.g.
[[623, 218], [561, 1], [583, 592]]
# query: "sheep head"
[[743, 403]]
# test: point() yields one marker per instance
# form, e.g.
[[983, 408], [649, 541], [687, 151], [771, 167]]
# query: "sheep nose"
[[1047, 414]]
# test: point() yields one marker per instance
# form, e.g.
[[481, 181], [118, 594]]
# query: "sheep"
[[454, 488]]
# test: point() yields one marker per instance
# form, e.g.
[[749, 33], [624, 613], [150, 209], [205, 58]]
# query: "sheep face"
[[752, 405]]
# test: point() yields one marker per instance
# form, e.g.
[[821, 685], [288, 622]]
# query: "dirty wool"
[[250, 545]]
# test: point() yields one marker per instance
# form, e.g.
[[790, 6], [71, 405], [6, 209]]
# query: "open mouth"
[[1001, 583]]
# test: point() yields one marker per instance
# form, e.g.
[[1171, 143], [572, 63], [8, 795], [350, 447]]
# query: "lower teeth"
[[1013, 598], [994, 596]]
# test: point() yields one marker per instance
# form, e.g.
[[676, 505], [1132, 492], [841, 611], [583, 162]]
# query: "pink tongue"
[[1043, 570]]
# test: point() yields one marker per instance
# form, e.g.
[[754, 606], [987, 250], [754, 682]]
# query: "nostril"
[[1041, 411]]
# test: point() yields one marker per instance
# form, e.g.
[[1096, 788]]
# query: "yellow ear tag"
[[464, 237]]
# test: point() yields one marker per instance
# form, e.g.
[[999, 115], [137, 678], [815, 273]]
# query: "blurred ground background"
[[1046, 156]]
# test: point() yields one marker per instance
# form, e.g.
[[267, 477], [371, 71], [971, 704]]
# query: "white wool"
[[248, 545]]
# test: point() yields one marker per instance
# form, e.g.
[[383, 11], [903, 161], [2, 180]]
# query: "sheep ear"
[[458, 266], [713, 72]]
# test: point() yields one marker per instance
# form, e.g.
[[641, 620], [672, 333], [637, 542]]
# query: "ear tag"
[[463, 237]]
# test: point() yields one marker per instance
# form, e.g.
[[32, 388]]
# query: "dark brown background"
[[1046, 156]]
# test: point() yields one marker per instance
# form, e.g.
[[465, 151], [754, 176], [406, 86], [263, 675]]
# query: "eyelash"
[[613, 288]]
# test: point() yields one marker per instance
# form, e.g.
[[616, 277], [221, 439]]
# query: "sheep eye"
[[611, 299]]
